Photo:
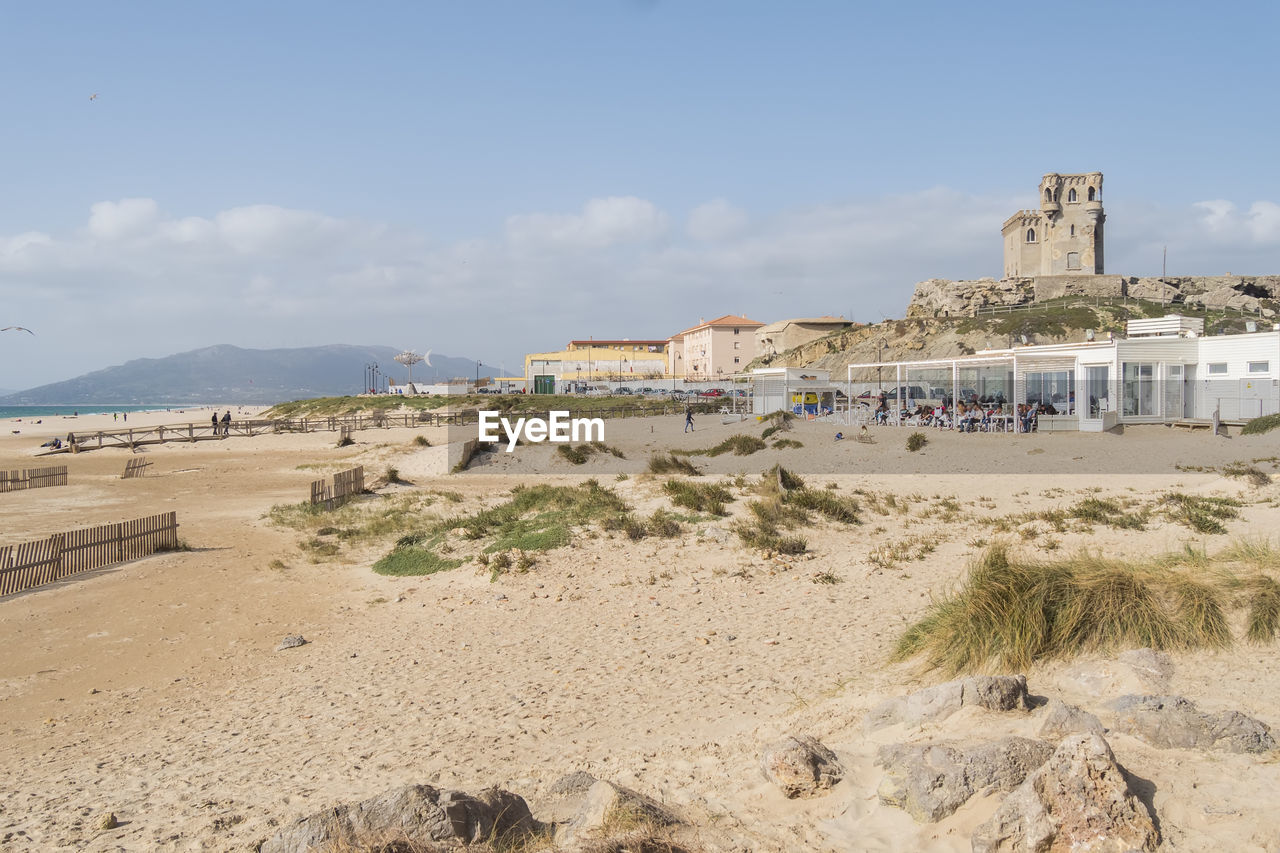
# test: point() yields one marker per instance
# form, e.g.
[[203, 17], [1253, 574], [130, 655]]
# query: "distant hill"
[[4, 392], [227, 374]]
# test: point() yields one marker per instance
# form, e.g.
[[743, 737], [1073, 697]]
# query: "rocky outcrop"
[[1079, 800], [938, 297], [993, 692], [1175, 722], [931, 781], [609, 808], [1061, 720], [412, 813], [801, 766]]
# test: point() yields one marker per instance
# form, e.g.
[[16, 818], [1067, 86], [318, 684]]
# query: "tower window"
[[1073, 231], [1071, 194], [1031, 235], [1073, 260], [1092, 192], [1048, 194]]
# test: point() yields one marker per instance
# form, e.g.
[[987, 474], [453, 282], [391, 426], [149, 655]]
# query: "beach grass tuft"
[[671, 464], [1011, 612], [916, 441], [1258, 426], [699, 497]]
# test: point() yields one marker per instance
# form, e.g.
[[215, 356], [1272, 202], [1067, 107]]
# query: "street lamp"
[[409, 358]]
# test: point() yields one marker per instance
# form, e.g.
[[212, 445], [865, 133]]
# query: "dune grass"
[[1261, 425], [1201, 513], [580, 453], [784, 443], [738, 445], [699, 497], [786, 503], [671, 464], [1011, 612], [916, 441], [535, 518]]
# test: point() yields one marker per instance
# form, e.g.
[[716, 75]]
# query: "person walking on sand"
[[226, 423], [688, 418], [214, 420]]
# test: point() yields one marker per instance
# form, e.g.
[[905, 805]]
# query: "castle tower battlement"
[[1063, 237]]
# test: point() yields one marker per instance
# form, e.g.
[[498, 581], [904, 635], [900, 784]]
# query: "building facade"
[[714, 349], [1063, 237], [590, 360]]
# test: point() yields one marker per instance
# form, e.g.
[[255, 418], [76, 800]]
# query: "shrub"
[[916, 440], [1108, 512], [421, 441], [346, 441], [784, 443], [576, 454], [1255, 475]]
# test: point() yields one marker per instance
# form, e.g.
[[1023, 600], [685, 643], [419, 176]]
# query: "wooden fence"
[[33, 478], [32, 564], [346, 484]]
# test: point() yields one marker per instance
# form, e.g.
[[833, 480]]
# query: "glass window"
[[1139, 390], [1259, 367], [1031, 235], [1095, 387], [1071, 195], [1218, 369], [1054, 390]]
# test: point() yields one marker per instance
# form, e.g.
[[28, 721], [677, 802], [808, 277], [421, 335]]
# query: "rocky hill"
[[228, 374], [940, 321]]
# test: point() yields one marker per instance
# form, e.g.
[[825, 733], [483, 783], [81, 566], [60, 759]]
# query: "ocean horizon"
[[27, 412]]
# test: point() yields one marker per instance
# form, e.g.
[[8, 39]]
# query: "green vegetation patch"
[[1104, 511], [739, 445], [671, 464], [699, 497], [784, 443], [786, 503], [535, 518], [580, 453], [1011, 612], [1202, 514], [1261, 425]]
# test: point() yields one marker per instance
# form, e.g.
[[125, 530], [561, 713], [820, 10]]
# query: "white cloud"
[[603, 222], [716, 220], [118, 220], [137, 281], [1260, 224]]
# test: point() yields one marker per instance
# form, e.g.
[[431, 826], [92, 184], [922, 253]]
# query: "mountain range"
[[228, 374]]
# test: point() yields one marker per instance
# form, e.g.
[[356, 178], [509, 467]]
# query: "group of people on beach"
[[222, 427], [973, 416]]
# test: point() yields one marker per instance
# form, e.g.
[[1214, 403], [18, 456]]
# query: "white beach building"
[[1164, 371]]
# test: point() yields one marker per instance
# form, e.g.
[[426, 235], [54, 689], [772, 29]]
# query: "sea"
[[29, 412]]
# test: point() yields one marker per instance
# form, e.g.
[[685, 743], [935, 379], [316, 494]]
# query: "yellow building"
[[594, 360]]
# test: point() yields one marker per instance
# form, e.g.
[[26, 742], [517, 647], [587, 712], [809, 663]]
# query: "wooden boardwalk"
[[135, 437]]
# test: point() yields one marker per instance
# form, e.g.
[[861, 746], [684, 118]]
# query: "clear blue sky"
[[492, 178]]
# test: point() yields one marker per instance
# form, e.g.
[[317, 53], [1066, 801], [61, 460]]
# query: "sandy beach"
[[153, 690]]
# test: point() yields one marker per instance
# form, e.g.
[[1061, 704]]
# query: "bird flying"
[[94, 96], [18, 329]]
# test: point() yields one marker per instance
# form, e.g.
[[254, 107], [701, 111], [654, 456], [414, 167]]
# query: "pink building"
[[713, 349]]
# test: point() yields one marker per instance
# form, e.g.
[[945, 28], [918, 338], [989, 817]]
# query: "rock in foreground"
[[1079, 801], [930, 782], [801, 766], [412, 813]]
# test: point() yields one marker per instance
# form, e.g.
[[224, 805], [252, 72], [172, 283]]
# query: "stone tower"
[[1063, 237]]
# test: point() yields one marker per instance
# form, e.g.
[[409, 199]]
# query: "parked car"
[[624, 390], [712, 392]]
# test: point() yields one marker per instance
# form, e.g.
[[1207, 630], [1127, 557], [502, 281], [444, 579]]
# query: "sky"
[[487, 179]]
